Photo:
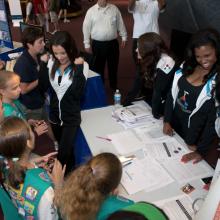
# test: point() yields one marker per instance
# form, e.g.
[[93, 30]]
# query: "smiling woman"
[[68, 76], [190, 107]]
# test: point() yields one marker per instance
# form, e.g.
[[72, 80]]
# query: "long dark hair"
[[150, 47], [65, 40], [203, 37]]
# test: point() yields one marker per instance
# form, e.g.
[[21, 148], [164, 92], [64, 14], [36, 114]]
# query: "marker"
[[104, 138]]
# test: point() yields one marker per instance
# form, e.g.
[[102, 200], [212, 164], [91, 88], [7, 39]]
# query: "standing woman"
[[190, 107], [155, 73], [68, 76]]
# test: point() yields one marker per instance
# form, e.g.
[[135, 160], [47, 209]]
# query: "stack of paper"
[[133, 115]]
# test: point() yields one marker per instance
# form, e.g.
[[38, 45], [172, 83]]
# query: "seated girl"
[[10, 90], [30, 188], [88, 192], [190, 107], [155, 74]]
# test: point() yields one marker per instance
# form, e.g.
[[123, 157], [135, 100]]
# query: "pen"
[[129, 176], [126, 164], [104, 138]]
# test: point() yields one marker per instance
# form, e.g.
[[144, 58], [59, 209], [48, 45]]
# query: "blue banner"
[[5, 33]]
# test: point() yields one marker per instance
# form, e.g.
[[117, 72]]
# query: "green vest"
[[16, 110], [28, 197], [150, 211], [9, 210], [112, 204]]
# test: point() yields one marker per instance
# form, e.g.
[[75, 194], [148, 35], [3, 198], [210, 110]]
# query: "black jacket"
[[65, 110]]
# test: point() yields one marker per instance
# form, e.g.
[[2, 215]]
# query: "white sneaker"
[[66, 21], [54, 32]]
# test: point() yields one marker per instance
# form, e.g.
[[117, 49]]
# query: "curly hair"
[[88, 186], [65, 40], [202, 37], [150, 47], [14, 133]]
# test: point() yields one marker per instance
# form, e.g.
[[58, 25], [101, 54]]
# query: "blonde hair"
[[5, 76], [88, 186]]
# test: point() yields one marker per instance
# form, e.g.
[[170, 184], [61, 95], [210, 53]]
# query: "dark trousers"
[[106, 51], [134, 50], [65, 135]]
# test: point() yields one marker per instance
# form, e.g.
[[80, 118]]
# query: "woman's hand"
[[42, 161], [167, 129], [195, 156], [57, 174], [192, 147], [41, 128], [33, 122], [45, 57], [79, 61]]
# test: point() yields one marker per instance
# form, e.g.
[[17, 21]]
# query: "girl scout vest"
[[148, 210], [27, 198]]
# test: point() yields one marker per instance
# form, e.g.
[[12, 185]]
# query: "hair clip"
[[93, 171]]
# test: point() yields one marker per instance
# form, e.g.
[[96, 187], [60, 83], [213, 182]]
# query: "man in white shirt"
[[145, 15], [102, 24]]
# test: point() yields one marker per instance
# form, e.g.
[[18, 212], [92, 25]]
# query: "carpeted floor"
[[126, 66]]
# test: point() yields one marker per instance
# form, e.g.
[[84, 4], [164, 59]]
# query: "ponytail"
[[79, 199], [88, 186], [14, 134], [16, 175]]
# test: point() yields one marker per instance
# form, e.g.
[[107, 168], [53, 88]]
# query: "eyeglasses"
[[59, 79]]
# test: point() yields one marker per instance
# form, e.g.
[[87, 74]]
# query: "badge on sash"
[[28, 207], [31, 193]]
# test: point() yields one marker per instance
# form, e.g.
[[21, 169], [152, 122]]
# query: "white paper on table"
[[177, 208], [125, 142], [132, 113], [146, 174], [186, 172], [153, 132], [164, 150]]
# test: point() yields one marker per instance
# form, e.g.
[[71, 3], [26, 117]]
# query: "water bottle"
[[117, 99]]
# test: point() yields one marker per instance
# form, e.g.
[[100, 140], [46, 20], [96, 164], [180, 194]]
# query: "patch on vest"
[[44, 176], [29, 208], [166, 64], [31, 193]]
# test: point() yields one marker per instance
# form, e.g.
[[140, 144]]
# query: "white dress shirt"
[[103, 24], [145, 14]]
